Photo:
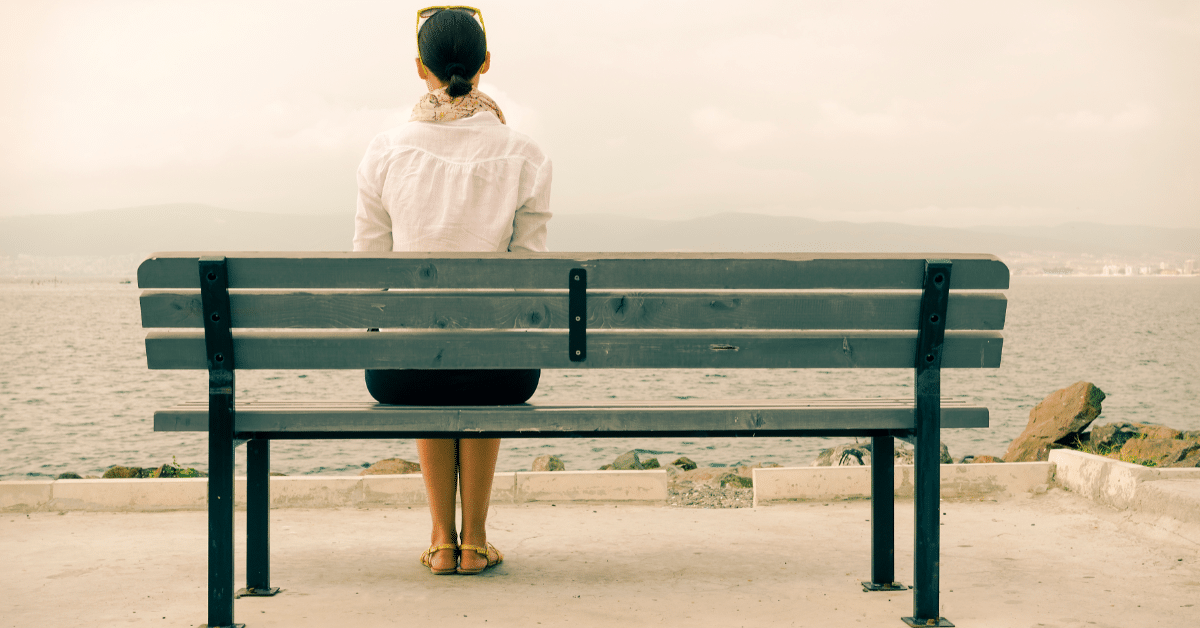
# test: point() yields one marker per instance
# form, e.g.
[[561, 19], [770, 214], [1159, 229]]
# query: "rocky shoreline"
[[1059, 421]]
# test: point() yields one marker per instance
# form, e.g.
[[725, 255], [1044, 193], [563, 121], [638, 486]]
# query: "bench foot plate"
[[919, 623], [231, 626], [256, 592], [868, 586]]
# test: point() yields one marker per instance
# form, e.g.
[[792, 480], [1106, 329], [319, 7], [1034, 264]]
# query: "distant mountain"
[[756, 232], [198, 228], [1098, 239]]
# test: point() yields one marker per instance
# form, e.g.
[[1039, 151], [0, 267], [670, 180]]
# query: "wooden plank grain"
[[542, 271], [365, 418], [491, 309], [466, 349]]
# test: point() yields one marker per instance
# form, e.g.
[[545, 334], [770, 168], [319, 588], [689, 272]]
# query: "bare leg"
[[477, 465], [439, 468]]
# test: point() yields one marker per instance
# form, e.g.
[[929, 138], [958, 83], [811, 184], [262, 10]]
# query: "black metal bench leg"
[[258, 524], [220, 511], [218, 347], [927, 534], [927, 415], [883, 517]]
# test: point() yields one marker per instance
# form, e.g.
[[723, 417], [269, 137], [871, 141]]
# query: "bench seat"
[[771, 417]]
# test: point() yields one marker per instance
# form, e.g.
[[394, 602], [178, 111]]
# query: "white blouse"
[[466, 185]]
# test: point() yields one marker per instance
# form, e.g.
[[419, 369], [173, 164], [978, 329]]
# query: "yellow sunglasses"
[[429, 12]]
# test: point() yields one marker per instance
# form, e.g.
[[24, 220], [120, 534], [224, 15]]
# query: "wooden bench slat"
[[260, 404], [602, 419], [548, 309], [543, 271], [466, 349]]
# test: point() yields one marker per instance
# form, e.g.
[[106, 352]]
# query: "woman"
[[454, 178]]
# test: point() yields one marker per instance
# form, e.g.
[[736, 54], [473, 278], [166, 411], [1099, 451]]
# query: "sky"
[[934, 113]]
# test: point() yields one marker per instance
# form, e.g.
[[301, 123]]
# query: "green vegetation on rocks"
[[548, 463], [1059, 421]]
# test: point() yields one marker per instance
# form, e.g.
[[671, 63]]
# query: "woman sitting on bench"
[[454, 178]]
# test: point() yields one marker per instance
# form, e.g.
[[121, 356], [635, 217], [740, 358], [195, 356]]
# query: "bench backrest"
[[505, 310]]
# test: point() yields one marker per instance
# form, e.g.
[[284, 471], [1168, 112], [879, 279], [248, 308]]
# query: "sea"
[[75, 393]]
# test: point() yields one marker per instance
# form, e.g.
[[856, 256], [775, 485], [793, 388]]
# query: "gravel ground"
[[708, 497]]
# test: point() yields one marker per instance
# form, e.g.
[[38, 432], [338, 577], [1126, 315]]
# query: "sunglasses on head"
[[429, 12]]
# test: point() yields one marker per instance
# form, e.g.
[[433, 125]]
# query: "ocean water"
[[75, 393]]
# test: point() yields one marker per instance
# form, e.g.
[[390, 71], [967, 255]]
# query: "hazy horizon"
[[923, 113], [856, 219]]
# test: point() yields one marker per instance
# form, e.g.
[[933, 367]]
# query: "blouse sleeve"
[[372, 223], [529, 224]]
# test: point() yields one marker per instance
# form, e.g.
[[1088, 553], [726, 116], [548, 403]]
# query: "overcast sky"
[[952, 113]]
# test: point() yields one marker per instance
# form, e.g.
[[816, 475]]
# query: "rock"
[[684, 463], [392, 466], [903, 454], [607, 467], [548, 463], [1157, 452], [175, 471], [650, 464], [844, 455], [985, 459], [1058, 418], [1112, 436], [627, 461], [126, 472], [68, 475], [708, 476], [715, 477], [1192, 460], [1161, 431], [734, 480], [856, 454]]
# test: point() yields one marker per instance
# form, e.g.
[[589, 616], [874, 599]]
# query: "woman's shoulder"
[[479, 137]]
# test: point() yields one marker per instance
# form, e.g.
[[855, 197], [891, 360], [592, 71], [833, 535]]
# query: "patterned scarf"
[[438, 106]]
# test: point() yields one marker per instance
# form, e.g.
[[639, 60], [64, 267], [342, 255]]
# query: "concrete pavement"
[[1055, 560]]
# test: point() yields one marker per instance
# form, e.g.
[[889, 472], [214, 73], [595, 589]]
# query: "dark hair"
[[452, 46]]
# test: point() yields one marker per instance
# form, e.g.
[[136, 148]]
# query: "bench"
[[572, 311]]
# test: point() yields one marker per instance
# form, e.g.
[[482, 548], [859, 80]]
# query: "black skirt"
[[452, 387]]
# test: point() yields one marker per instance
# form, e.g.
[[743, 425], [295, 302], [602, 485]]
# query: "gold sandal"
[[494, 557], [427, 558]]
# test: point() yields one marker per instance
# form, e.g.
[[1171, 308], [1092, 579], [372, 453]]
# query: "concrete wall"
[[958, 481], [1170, 493], [137, 495], [1173, 493]]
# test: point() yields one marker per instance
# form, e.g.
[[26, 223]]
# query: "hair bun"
[[455, 69]]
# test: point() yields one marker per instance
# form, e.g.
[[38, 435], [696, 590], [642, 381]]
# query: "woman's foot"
[[445, 559], [474, 558]]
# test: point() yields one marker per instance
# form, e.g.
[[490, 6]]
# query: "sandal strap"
[[486, 552], [477, 549], [427, 556]]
